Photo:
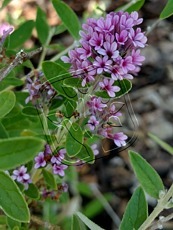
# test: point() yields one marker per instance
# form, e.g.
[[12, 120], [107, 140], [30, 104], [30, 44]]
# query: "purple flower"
[[21, 175], [122, 37], [96, 40], [92, 123], [40, 160], [5, 30], [138, 38], [57, 159], [109, 50], [59, 169], [95, 104], [104, 25], [102, 64], [119, 139], [108, 86], [84, 52]]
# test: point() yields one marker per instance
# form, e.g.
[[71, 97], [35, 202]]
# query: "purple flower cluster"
[[102, 118], [21, 176], [111, 46], [109, 51], [39, 89], [46, 157]]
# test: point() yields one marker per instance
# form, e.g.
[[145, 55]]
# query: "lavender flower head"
[[109, 51], [109, 45], [21, 176]]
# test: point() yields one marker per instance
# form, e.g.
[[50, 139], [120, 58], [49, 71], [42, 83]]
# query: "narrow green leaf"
[[49, 179], [94, 207], [167, 11], [147, 176], [136, 211], [11, 199], [7, 102], [136, 6], [32, 192], [42, 26], [74, 140], [163, 144], [18, 150], [68, 17], [131, 6], [84, 189], [88, 222], [20, 35], [77, 224], [3, 132]]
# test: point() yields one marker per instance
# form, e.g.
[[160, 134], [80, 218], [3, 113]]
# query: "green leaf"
[[49, 179], [125, 86], [136, 211], [77, 224], [163, 144], [18, 150], [3, 220], [8, 81], [68, 17], [7, 102], [11, 199], [86, 154], [56, 74], [94, 207], [30, 111], [147, 176], [32, 192], [88, 222], [136, 6], [3, 132], [75, 82], [84, 189], [12, 223], [60, 29], [167, 11], [42, 26], [74, 140], [131, 6], [20, 35]]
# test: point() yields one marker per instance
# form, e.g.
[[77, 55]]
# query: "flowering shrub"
[[65, 109]]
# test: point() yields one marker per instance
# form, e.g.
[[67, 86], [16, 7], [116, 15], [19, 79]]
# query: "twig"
[[19, 59]]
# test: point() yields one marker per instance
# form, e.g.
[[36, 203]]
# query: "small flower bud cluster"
[[55, 160], [54, 194], [21, 176], [39, 89], [103, 120]]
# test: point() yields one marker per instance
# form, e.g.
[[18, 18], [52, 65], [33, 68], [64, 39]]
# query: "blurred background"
[[111, 179]]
